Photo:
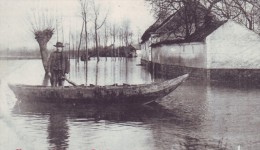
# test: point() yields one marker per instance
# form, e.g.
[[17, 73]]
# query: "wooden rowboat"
[[94, 94]]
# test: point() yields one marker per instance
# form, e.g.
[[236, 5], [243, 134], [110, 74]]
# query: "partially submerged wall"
[[165, 71], [171, 71], [146, 51], [186, 54], [172, 60]]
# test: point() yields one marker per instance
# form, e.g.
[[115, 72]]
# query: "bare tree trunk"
[[46, 80], [69, 52], [105, 41], [44, 55], [80, 40], [187, 34], [86, 39], [96, 42]]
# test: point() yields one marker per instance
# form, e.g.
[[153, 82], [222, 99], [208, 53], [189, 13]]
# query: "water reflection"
[[60, 114], [219, 114], [110, 71], [165, 128], [189, 105], [113, 112], [106, 72], [58, 131]]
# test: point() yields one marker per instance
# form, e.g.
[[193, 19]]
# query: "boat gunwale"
[[183, 77], [103, 86]]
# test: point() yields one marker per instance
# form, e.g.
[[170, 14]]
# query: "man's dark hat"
[[58, 44]]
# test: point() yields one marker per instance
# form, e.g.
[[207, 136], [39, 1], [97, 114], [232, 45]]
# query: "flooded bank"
[[197, 115]]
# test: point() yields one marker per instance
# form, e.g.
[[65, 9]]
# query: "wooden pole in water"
[[86, 39], [75, 46], [97, 73], [126, 69]]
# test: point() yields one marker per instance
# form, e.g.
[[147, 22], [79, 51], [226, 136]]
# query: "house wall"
[[146, 51], [187, 54], [230, 53], [233, 46]]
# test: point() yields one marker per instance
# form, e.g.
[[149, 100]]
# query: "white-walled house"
[[173, 27], [223, 49]]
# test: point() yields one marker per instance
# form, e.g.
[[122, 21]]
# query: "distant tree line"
[[121, 51], [25, 53]]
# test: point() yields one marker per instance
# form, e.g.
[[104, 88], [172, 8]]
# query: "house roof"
[[175, 41], [198, 36], [157, 24], [137, 46], [160, 24], [131, 47]]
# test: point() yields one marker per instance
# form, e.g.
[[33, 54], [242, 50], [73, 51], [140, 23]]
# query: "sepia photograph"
[[130, 75]]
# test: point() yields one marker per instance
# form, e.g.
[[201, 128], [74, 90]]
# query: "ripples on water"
[[197, 115]]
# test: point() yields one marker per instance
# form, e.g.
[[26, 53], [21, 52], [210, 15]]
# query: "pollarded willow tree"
[[42, 27], [43, 37]]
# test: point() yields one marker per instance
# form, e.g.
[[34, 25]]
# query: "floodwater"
[[197, 116]]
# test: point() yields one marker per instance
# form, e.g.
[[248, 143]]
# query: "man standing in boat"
[[58, 65]]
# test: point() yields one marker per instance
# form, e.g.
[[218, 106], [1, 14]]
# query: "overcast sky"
[[15, 28]]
